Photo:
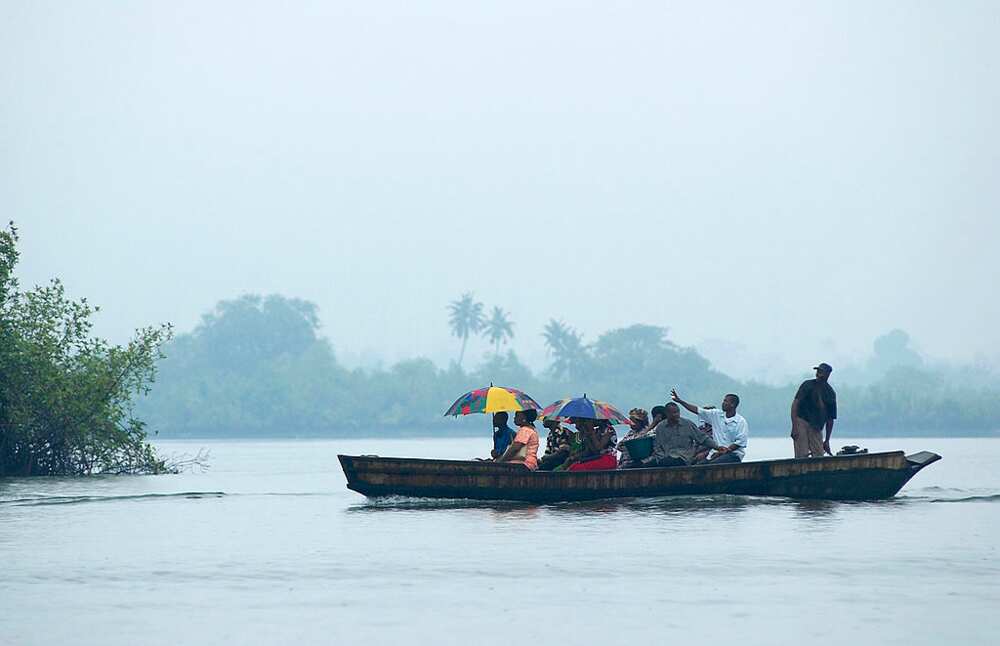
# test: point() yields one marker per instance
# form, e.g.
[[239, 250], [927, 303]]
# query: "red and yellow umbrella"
[[492, 399]]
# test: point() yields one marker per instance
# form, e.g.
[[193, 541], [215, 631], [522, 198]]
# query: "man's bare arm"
[[829, 434], [510, 452], [677, 398]]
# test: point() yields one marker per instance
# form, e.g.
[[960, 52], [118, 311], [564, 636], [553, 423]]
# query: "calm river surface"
[[269, 547]]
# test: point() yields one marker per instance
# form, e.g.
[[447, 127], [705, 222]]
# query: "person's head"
[[582, 423], [823, 371], [730, 402], [603, 424], [672, 413], [500, 420], [638, 418], [551, 424], [658, 413], [525, 417]]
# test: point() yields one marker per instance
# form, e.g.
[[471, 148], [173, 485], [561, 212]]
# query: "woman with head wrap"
[[639, 421]]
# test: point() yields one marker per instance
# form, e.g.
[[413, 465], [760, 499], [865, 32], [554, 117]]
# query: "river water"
[[267, 546]]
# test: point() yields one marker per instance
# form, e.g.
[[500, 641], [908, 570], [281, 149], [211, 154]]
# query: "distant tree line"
[[74, 404], [257, 366]]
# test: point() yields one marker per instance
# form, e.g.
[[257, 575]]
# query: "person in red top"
[[595, 450], [524, 448]]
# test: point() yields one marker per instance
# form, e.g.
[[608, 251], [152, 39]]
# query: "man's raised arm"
[[677, 398]]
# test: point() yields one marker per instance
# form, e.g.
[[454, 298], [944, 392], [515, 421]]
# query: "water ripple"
[[74, 500], [993, 497]]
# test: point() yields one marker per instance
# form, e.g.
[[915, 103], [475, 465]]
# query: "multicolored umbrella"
[[492, 399], [585, 408]]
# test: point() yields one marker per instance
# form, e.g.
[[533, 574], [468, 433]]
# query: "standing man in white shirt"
[[729, 428]]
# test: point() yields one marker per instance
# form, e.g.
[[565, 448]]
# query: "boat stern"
[[347, 463]]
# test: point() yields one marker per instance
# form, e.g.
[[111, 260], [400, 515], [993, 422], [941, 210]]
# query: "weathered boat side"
[[869, 476]]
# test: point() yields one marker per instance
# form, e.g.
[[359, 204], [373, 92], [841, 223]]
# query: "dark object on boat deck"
[[868, 476], [639, 448], [851, 449]]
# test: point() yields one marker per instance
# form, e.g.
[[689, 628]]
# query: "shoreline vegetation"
[[257, 367], [66, 397], [483, 430]]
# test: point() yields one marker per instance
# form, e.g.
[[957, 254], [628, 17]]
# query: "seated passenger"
[[524, 447], [557, 445], [593, 448], [502, 434], [729, 428], [610, 435], [702, 455], [640, 427], [577, 449], [677, 441], [658, 413]]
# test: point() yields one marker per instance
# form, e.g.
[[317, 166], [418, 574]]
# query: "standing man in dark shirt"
[[814, 406]]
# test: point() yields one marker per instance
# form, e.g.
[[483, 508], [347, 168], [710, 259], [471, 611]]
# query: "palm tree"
[[466, 318], [498, 329], [569, 355]]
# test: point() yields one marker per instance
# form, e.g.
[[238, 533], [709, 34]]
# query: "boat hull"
[[870, 476]]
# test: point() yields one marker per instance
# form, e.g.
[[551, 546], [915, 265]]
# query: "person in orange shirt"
[[524, 448]]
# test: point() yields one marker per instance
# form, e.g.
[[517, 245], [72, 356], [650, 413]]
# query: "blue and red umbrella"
[[585, 408]]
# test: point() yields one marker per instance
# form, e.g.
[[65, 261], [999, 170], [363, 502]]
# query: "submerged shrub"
[[65, 396]]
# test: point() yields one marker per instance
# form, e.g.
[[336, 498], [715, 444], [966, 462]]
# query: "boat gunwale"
[[520, 469]]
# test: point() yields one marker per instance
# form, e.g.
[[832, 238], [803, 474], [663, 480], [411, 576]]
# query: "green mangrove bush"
[[66, 397]]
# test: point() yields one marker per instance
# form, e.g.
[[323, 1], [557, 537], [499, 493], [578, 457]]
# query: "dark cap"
[[825, 367]]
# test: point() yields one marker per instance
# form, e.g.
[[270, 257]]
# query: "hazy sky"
[[778, 183]]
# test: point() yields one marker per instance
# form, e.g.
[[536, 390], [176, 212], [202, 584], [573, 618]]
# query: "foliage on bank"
[[65, 396], [257, 366]]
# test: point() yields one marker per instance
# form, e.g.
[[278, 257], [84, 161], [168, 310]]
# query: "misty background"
[[776, 184]]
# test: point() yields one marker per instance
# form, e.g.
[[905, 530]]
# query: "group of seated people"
[[594, 445]]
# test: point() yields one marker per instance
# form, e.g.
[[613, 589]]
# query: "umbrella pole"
[[492, 446]]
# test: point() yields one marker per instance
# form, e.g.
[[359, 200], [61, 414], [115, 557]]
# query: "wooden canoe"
[[868, 476]]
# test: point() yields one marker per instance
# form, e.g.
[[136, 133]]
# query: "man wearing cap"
[[814, 406]]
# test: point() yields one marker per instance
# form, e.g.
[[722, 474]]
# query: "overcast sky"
[[776, 182]]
